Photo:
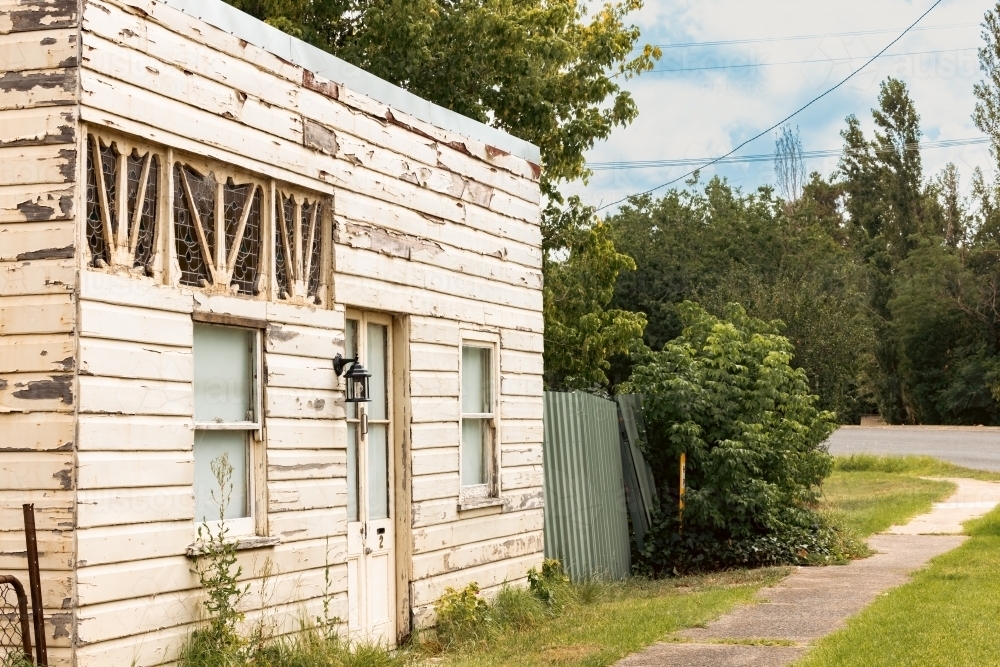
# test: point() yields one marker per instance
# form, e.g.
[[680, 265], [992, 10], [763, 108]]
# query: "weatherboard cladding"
[[294, 50], [96, 363]]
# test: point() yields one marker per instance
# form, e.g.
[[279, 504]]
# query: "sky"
[[726, 95]]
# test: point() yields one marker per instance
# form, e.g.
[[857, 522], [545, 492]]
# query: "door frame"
[[402, 414], [364, 318]]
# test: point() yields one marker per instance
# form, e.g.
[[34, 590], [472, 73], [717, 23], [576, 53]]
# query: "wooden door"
[[371, 544]]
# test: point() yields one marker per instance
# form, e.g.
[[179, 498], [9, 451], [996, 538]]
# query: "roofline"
[[253, 31]]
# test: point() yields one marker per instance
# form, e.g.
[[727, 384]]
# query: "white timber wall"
[[437, 229], [137, 595], [39, 57]]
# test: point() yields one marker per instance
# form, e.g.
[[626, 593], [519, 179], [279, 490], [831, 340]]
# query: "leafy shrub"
[[549, 585], [725, 393], [464, 617], [461, 615]]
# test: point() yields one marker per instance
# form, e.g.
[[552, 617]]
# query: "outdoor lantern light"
[[357, 379]]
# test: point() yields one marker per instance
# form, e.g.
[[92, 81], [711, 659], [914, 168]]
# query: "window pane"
[[350, 350], [474, 455], [223, 374], [377, 366], [352, 472], [378, 472], [476, 380], [212, 446]]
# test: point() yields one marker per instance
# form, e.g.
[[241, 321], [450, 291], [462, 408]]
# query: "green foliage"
[[550, 584], [461, 614], [581, 265], [780, 262], [15, 658], [311, 647], [542, 71], [724, 393], [218, 574], [464, 618]]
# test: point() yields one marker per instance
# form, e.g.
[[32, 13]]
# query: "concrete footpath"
[[815, 601]]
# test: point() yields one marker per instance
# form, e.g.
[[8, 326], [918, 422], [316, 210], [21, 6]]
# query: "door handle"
[[364, 423], [368, 552]]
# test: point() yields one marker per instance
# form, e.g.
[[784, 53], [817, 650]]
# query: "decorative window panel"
[[190, 221], [300, 225], [218, 228], [123, 204]]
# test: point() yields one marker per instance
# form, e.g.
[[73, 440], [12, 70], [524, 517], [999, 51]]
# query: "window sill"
[[242, 544], [479, 503]]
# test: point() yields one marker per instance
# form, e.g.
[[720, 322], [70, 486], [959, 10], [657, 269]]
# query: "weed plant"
[[219, 642], [15, 659], [466, 621]]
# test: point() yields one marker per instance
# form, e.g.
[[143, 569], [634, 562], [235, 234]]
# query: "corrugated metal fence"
[[586, 521]]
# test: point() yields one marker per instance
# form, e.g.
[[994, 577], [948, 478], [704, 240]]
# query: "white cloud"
[[707, 112]]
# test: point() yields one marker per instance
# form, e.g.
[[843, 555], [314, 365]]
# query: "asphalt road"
[[973, 447]]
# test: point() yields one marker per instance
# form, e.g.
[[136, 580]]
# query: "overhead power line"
[[788, 117], [747, 159], [802, 62], [794, 38]]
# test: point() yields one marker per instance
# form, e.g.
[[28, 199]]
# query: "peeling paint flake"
[[48, 13], [276, 333], [60, 387], [320, 138], [22, 82]]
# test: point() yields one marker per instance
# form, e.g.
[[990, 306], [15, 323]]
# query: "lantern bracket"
[[339, 362]]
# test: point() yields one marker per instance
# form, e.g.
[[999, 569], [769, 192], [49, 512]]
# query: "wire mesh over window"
[[194, 195], [11, 639], [242, 216], [218, 226], [95, 220], [312, 217], [284, 241], [122, 216], [143, 196], [298, 234]]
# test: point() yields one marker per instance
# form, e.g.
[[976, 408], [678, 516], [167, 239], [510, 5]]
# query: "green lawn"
[[868, 494], [622, 619], [946, 617], [864, 494], [869, 502]]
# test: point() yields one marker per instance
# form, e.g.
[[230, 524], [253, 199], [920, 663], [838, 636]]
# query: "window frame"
[[255, 524], [490, 491], [122, 249]]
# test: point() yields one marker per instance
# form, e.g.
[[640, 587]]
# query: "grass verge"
[[914, 466], [945, 617], [611, 620]]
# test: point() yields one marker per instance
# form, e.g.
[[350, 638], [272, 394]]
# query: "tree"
[[789, 164], [539, 69], [725, 394], [780, 262], [987, 92], [884, 199], [535, 68], [581, 266]]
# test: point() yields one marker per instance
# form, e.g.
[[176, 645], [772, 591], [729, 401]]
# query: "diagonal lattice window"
[[123, 196], [298, 234], [217, 230]]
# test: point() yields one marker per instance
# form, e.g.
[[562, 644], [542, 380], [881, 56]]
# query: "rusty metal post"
[[22, 611], [35, 581], [683, 490]]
